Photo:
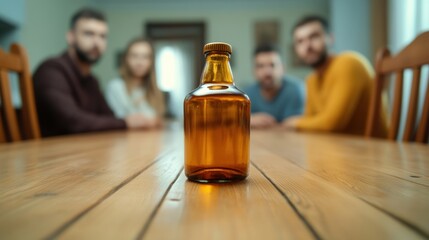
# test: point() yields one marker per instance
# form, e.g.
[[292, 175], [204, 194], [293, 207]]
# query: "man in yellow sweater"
[[339, 88]]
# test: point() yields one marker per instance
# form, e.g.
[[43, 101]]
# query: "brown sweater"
[[69, 102]]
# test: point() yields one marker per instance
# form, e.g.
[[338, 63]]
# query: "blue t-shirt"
[[288, 102]]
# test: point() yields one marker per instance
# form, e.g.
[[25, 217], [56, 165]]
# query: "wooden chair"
[[413, 56], [10, 129]]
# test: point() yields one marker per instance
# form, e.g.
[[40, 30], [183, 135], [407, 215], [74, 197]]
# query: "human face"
[[268, 70], [311, 43], [88, 39], [139, 59]]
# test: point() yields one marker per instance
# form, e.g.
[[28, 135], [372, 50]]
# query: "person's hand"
[[262, 120], [137, 121], [291, 122]]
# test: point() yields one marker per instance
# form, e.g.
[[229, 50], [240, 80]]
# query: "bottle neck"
[[217, 69]]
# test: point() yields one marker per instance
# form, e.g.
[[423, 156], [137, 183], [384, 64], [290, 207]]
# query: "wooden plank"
[[252, 209], [380, 172], [57, 189], [122, 215], [402, 160], [332, 212], [55, 156]]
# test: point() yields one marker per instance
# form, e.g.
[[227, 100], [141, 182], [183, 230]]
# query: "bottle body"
[[217, 126], [217, 135]]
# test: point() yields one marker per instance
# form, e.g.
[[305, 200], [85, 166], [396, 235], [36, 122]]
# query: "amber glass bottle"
[[217, 122]]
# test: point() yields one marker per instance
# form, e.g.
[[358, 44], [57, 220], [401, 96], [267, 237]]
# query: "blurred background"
[[181, 27]]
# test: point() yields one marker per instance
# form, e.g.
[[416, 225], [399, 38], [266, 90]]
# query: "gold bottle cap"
[[217, 46]]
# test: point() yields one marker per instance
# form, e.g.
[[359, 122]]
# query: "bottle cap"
[[217, 46]]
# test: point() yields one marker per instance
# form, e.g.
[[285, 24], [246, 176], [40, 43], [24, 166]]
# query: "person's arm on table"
[[340, 106]]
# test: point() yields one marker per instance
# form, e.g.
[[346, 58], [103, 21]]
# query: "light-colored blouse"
[[124, 103]]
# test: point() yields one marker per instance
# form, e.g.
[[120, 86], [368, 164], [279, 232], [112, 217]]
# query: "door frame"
[[194, 31]]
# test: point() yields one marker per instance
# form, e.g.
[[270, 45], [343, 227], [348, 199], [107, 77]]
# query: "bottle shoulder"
[[217, 90]]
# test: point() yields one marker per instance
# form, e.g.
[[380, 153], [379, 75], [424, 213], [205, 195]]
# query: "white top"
[[123, 104]]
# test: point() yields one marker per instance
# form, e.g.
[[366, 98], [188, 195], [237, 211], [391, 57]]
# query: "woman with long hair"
[[136, 91]]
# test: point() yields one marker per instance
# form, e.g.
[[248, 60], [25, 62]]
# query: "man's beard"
[[319, 62], [84, 57], [269, 85]]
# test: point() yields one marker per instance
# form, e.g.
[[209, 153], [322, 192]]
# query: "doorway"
[[178, 58]]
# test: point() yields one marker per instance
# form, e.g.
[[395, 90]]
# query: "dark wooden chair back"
[[11, 129], [414, 56]]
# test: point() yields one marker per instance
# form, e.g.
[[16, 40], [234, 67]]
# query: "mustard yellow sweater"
[[338, 100]]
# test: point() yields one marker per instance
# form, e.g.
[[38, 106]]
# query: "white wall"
[[40, 27], [350, 23], [11, 12], [45, 25], [232, 24]]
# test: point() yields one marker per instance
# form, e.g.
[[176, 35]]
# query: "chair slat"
[[2, 133], [414, 56], [397, 106], [9, 112], [16, 60], [412, 106], [374, 108], [30, 121], [423, 129]]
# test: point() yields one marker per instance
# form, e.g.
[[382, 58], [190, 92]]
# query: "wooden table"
[[127, 185]]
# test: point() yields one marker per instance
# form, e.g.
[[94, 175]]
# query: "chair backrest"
[[414, 56], [11, 129]]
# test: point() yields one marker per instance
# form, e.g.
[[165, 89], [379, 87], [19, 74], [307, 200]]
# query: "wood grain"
[[57, 189], [123, 215], [252, 209], [130, 185], [326, 207], [375, 172]]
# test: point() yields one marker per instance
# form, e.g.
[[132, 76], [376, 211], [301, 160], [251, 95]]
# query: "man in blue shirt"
[[275, 96]]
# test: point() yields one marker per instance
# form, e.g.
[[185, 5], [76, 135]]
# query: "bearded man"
[[68, 97], [339, 88]]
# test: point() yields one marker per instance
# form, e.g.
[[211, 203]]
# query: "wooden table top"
[[130, 185]]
